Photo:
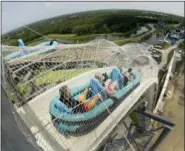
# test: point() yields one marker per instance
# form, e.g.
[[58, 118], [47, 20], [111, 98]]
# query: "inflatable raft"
[[77, 124]]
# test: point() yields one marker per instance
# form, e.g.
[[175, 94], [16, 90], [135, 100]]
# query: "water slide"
[[35, 113], [25, 51], [91, 140], [82, 123]]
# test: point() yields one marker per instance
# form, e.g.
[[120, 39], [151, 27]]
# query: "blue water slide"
[[25, 52], [20, 43]]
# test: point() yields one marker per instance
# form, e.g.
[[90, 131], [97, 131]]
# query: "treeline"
[[103, 21], [181, 46]]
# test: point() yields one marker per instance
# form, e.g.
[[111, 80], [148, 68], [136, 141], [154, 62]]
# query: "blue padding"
[[47, 43], [69, 128], [19, 53], [57, 108], [20, 43], [96, 111], [14, 55]]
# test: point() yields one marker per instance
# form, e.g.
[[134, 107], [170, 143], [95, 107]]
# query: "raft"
[[68, 123]]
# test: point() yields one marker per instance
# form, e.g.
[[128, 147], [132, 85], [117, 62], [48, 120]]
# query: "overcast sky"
[[15, 14]]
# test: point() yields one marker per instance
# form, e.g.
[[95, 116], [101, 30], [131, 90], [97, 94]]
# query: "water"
[[154, 39], [140, 31]]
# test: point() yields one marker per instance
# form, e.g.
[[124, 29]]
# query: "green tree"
[[105, 29]]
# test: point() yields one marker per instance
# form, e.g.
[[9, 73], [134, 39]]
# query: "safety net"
[[67, 94]]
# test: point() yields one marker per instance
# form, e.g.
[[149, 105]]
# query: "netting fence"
[[60, 94]]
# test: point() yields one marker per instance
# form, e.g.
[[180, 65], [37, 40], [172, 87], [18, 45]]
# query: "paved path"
[[174, 110], [166, 52], [165, 55], [166, 38]]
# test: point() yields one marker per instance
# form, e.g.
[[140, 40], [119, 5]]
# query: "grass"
[[179, 65], [60, 75], [139, 38], [73, 38], [181, 46], [11, 42], [52, 77], [24, 89], [161, 74], [9, 94], [135, 118]]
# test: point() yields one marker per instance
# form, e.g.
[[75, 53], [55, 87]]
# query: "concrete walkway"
[[174, 111], [165, 55], [166, 52]]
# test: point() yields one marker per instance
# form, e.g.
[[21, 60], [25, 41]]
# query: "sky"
[[16, 14]]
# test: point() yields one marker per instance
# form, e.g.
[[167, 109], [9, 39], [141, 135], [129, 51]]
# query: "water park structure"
[[124, 120]]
